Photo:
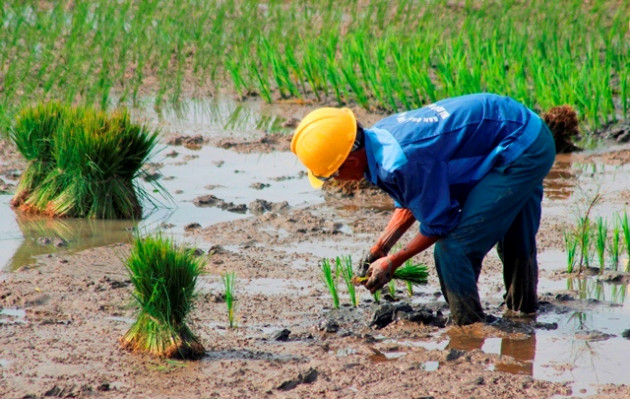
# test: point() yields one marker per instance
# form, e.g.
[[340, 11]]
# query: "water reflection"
[[44, 235], [592, 288], [214, 116], [517, 352]]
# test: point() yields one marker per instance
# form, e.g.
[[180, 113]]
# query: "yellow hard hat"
[[323, 140]]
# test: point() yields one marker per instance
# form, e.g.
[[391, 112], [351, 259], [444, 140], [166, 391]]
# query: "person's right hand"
[[380, 273]]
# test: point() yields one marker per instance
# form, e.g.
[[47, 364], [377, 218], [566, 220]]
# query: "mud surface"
[[62, 315]]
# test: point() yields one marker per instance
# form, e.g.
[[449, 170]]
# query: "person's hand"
[[379, 273], [366, 260]]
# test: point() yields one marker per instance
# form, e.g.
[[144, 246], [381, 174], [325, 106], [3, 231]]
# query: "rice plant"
[[600, 242], [280, 53], [614, 245], [625, 227], [229, 284], [570, 245], [584, 236], [330, 280], [163, 278], [409, 286], [345, 265], [82, 162], [377, 296], [391, 288]]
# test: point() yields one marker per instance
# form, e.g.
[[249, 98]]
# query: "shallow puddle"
[[186, 175]]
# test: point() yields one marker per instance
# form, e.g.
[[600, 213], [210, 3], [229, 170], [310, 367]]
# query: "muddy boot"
[[465, 309], [521, 280]]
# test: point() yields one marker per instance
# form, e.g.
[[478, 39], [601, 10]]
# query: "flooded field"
[[53, 270]]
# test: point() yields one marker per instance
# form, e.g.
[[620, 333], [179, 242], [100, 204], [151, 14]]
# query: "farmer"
[[469, 169]]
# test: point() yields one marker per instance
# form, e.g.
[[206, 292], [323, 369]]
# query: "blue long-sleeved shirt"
[[430, 158]]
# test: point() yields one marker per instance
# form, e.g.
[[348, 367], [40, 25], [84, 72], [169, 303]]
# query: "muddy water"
[[186, 173], [585, 348]]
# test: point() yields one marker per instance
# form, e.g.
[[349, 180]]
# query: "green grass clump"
[[229, 283], [600, 241], [81, 162], [330, 280], [163, 278], [416, 274], [570, 244], [345, 265]]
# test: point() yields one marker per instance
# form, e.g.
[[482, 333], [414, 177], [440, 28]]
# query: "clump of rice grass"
[[570, 244], [344, 264], [229, 283], [163, 278], [377, 296], [391, 288], [584, 238], [415, 274], [614, 245], [625, 227], [330, 280], [81, 162]]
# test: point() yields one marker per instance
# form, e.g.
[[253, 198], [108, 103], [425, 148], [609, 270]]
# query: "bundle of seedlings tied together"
[[163, 278], [81, 162]]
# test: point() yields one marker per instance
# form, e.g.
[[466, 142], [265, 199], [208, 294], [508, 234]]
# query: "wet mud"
[[64, 308]]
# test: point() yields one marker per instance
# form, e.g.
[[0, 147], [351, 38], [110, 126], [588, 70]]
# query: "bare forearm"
[[418, 244], [400, 222]]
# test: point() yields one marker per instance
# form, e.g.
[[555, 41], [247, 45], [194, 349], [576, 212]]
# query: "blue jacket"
[[430, 158]]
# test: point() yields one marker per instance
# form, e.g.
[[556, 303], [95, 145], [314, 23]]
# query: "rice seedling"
[[600, 242], [345, 265], [163, 278], [584, 237], [82, 162], [330, 280], [409, 286], [570, 245], [229, 284], [377, 296], [625, 227], [391, 288], [614, 246]]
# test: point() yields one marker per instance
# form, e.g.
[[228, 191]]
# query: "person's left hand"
[[379, 273]]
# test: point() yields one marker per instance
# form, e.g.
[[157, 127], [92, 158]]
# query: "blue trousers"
[[503, 209]]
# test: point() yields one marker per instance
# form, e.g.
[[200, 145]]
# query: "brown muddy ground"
[[76, 307]]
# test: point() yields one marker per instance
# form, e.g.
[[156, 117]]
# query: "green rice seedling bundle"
[[163, 278], [330, 280], [416, 274], [229, 283], [82, 162]]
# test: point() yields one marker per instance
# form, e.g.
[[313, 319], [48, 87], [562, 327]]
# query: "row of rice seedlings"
[[309, 49], [411, 274], [163, 278], [81, 162], [607, 246]]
